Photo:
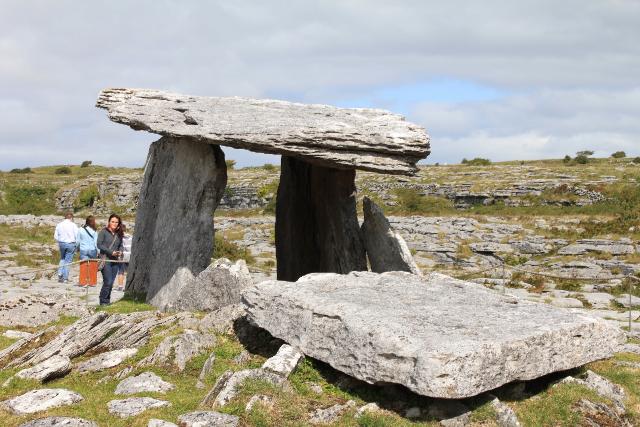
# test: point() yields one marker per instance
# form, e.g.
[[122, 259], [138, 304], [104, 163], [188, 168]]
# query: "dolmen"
[[436, 335], [185, 176]]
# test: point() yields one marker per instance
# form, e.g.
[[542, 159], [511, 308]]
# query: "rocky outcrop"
[[367, 139], [217, 286], [386, 249], [316, 221], [184, 181], [34, 310], [436, 335]]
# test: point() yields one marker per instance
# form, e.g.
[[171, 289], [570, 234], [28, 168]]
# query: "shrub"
[[87, 197], [582, 159], [23, 170], [269, 167], [464, 161], [636, 160], [619, 155], [585, 153], [224, 248], [410, 201], [63, 170], [86, 164], [478, 161], [34, 200], [567, 159], [231, 164]]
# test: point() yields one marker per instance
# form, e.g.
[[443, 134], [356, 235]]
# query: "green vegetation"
[[636, 160], [269, 191], [478, 161], [269, 167], [410, 201], [23, 170], [86, 198], [224, 248], [231, 164], [28, 199], [619, 155], [86, 164], [63, 170]]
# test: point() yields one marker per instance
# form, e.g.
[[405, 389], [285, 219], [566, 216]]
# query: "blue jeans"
[[66, 257], [109, 273], [90, 254]]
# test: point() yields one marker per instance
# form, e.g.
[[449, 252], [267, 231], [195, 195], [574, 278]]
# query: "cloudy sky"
[[498, 79]]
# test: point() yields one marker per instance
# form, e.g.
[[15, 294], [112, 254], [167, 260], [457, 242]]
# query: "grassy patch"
[[224, 248]]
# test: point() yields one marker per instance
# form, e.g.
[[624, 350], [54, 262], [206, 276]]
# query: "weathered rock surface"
[[16, 335], [599, 414], [386, 249], [229, 387], [34, 310], [135, 332], [179, 349], [317, 226], [284, 362], [106, 360], [41, 400], [360, 138], [208, 419], [438, 336], [125, 408], [7, 354], [54, 367], [505, 417], [330, 414], [222, 319], [258, 399], [59, 422], [145, 382], [621, 247], [183, 183], [217, 286], [206, 369], [154, 422]]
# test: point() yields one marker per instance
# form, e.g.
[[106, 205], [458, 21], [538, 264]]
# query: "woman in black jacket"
[[110, 246]]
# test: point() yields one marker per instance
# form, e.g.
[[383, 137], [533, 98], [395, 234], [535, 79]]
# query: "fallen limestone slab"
[[106, 360], [145, 382], [208, 419], [179, 349], [125, 408], [54, 367], [41, 400], [59, 422], [284, 362], [16, 335], [228, 386], [347, 138], [438, 336]]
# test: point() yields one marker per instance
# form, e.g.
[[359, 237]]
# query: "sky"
[[502, 80]]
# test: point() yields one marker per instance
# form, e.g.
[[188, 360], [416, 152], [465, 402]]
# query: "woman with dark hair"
[[110, 246], [87, 240]]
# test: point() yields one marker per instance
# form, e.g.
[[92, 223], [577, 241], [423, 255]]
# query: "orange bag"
[[88, 272]]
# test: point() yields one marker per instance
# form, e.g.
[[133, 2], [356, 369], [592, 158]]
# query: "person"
[[126, 255], [110, 246], [65, 234], [87, 239]]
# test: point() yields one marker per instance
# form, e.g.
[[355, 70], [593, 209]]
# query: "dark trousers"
[[109, 273]]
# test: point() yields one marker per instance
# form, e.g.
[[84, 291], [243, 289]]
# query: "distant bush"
[[23, 170], [269, 167], [585, 153], [636, 160], [567, 159], [224, 248], [464, 161], [87, 197], [63, 170], [582, 159], [34, 200], [231, 164], [619, 155], [478, 161], [86, 164]]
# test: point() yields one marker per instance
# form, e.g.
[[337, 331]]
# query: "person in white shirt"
[[66, 234], [126, 255]]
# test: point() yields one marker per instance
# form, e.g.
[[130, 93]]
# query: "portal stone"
[[184, 181], [316, 221]]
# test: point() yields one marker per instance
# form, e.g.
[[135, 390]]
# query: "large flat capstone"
[[437, 335], [347, 138]]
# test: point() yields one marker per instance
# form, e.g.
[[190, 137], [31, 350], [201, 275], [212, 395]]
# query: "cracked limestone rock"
[[125, 408], [54, 367], [438, 336], [284, 362], [345, 138], [41, 400], [106, 360], [145, 382], [179, 349], [59, 422], [208, 418]]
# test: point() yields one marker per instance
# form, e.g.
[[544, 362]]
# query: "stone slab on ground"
[[208, 419], [284, 362], [106, 360], [54, 367], [41, 400], [346, 138], [145, 382], [59, 422], [125, 408], [439, 336]]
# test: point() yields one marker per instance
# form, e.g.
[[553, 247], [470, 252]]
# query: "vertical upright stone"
[[316, 221], [184, 181]]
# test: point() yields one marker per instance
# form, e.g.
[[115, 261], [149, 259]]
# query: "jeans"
[[109, 273], [66, 257], [90, 254]]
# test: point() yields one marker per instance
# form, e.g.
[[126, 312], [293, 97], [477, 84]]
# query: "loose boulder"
[[125, 408], [219, 285], [146, 382], [438, 336], [54, 367], [106, 360], [40, 400], [386, 249]]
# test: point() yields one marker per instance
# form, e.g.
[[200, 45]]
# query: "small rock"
[[209, 399], [505, 417], [154, 422], [599, 414], [628, 302], [365, 409], [258, 398], [41, 400], [59, 422], [607, 389], [206, 368], [330, 414], [125, 408], [459, 421], [208, 419], [230, 389], [314, 387], [145, 382], [566, 302], [53, 367], [630, 348], [106, 360], [179, 349], [242, 358], [284, 362], [14, 335]]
